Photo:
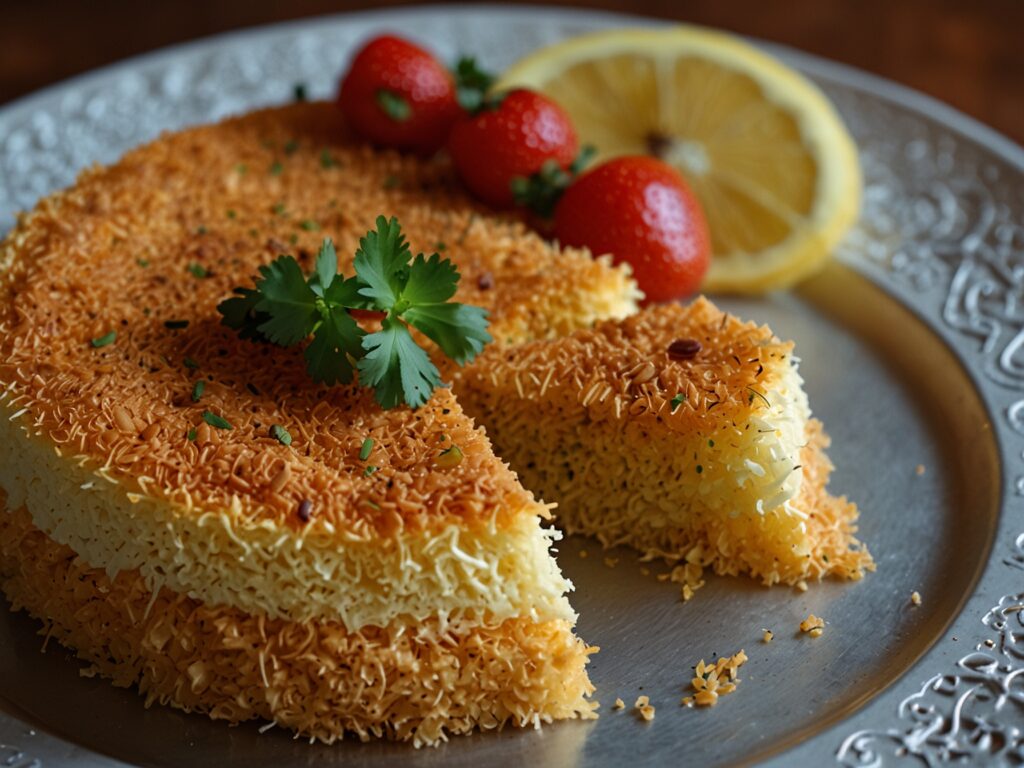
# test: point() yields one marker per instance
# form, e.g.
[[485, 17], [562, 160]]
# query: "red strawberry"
[[502, 146], [641, 211], [395, 94]]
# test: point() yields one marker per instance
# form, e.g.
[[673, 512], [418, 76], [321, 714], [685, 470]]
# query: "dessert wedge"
[[680, 431]]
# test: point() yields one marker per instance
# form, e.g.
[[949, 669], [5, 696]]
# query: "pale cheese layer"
[[221, 559]]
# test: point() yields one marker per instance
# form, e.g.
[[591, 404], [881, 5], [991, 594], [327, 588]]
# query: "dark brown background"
[[969, 53]]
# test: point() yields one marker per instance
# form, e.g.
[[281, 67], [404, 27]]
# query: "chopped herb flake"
[[197, 390], [291, 147], [293, 239], [364, 452], [309, 225], [241, 169], [676, 401], [175, 325], [276, 169], [278, 209], [450, 457], [201, 230], [326, 160], [192, 434], [214, 420], [197, 270], [191, 364], [370, 469], [391, 182], [104, 340], [440, 246], [232, 214], [280, 434], [142, 262]]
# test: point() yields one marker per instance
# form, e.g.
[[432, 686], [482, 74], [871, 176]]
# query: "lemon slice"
[[762, 147]]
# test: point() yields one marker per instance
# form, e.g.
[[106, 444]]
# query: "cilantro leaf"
[[239, 313], [460, 330], [397, 367], [382, 263], [288, 300], [345, 293], [431, 281], [335, 340], [326, 268]]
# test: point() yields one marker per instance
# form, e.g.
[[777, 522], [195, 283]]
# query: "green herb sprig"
[[286, 307]]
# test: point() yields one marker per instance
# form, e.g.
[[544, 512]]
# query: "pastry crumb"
[[915, 598], [919, 469], [611, 562], [712, 681], [690, 575], [619, 704], [583, 553], [645, 571], [813, 625], [767, 636], [801, 585]]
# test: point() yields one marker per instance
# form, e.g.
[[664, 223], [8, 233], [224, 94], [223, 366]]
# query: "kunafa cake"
[[193, 515]]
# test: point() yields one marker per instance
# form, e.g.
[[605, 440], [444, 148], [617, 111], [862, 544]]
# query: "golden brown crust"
[[625, 364], [418, 683], [112, 253]]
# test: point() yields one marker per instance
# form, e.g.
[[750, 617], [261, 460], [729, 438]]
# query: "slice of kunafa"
[[680, 431]]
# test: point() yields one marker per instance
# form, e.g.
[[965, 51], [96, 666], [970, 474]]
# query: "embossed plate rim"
[[897, 719]]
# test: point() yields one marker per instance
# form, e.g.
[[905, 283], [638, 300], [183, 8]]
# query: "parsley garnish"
[[370, 469], [142, 262], [190, 363], [394, 105], [104, 340], [309, 225], [192, 435], [291, 147], [214, 420], [197, 390], [286, 307], [676, 401], [280, 434], [197, 270], [276, 169]]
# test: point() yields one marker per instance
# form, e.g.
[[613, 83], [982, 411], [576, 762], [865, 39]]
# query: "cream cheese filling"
[[218, 557]]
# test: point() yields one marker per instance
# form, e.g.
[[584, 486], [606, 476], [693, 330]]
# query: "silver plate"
[[913, 353]]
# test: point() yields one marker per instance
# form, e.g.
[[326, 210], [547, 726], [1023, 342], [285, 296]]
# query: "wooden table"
[[970, 55]]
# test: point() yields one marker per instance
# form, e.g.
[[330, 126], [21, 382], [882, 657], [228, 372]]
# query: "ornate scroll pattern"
[[943, 218], [15, 757], [975, 715]]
